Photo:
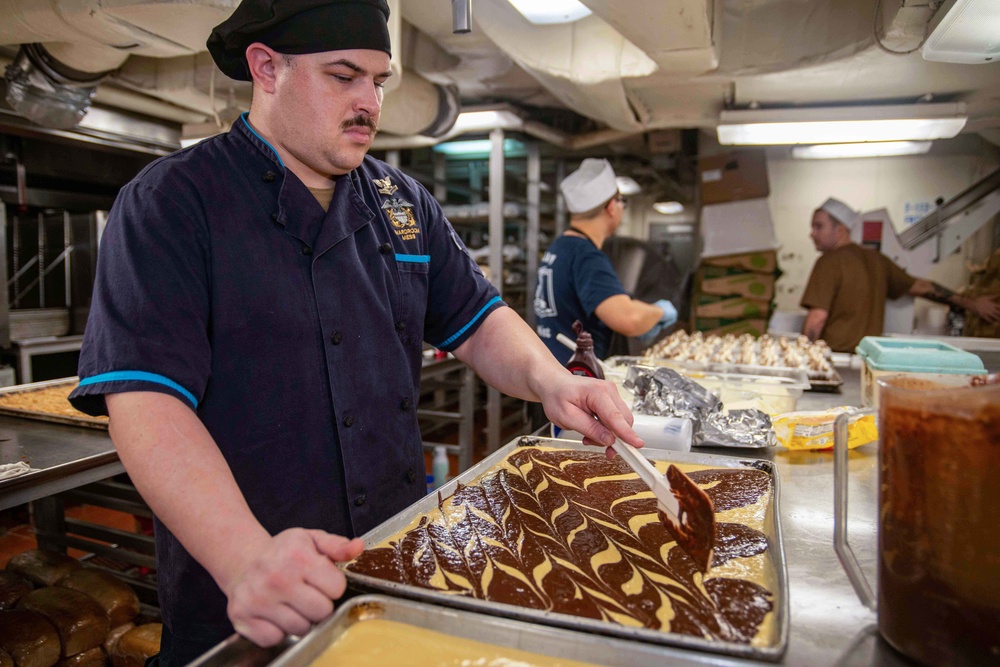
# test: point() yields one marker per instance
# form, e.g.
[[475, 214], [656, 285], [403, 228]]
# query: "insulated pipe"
[[461, 16], [419, 107]]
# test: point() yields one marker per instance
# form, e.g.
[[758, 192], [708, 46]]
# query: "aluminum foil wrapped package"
[[736, 428], [665, 392]]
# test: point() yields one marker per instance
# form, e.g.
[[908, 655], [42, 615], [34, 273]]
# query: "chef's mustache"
[[361, 121]]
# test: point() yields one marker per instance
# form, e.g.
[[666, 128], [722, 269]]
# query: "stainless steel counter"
[[64, 457], [829, 626]]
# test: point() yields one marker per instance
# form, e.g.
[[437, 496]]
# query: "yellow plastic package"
[[814, 429]]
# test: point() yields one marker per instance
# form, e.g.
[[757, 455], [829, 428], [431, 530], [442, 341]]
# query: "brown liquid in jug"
[[939, 520]]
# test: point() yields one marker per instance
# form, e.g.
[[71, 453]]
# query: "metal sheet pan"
[[82, 420], [530, 637], [427, 504]]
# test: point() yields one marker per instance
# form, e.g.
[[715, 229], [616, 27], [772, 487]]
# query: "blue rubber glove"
[[669, 313]]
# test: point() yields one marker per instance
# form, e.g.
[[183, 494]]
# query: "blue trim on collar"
[[126, 376], [416, 259], [243, 117], [470, 323]]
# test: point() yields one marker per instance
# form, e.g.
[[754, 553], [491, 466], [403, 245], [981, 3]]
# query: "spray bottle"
[[440, 466]]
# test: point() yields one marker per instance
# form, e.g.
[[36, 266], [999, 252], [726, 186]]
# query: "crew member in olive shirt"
[[848, 286]]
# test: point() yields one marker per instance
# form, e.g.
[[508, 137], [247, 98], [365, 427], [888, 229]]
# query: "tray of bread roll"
[[47, 401], [393, 632], [551, 532], [748, 354]]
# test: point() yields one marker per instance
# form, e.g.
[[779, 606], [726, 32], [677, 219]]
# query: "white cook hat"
[[840, 212], [589, 186]]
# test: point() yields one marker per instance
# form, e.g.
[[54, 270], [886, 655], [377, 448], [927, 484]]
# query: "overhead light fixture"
[[628, 186], [551, 11], [838, 125], [964, 31], [867, 149], [668, 207], [474, 148], [485, 120]]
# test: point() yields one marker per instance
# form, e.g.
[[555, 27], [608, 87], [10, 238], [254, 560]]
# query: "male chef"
[[255, 336]]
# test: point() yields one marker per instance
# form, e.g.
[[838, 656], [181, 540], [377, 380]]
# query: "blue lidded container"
[[924, 358]]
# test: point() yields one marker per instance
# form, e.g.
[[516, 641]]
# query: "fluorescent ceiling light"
[[837, 125], [486, 120], [868, 149], [628, 186], [480, 148], [668, 207], [543, 12], [964, 31]]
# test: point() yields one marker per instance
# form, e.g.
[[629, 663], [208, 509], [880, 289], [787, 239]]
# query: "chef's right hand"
[[289, 585]]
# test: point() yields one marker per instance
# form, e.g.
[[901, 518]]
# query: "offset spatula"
[[684, 507]]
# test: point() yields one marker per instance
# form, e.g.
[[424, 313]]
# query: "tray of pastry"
[[550, 532], [393, 632], [47, 401], [825, 380], [779, 351]]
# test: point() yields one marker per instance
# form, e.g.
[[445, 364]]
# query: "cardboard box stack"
[[733, 289]]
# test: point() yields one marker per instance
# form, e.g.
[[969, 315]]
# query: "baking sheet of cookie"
[[17, 401], [772, 530]]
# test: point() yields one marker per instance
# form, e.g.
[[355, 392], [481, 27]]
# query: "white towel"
[[10, 470]]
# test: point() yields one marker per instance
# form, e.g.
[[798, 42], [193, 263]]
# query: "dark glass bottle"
[[584, 361]]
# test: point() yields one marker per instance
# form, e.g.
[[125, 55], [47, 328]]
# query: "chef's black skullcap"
[[298, 26]]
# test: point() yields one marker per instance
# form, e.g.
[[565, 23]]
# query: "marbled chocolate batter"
[[571, 532]]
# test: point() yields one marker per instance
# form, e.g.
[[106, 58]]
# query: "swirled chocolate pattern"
[[570, 532]]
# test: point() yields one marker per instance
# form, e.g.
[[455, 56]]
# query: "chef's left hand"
[[591, 407]]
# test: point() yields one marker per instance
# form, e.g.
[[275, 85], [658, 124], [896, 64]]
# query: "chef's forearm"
[[508, 355], [180, 472], [938, 293]]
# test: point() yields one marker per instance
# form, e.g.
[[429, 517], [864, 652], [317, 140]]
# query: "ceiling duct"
[[49, 92], [97, 37], [584, 63], [417, 106]]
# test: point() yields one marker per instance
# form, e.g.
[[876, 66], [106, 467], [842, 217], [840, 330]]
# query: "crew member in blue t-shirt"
[[576, 281]]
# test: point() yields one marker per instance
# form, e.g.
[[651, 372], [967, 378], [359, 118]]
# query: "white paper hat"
[[840, 212], [589, 186]]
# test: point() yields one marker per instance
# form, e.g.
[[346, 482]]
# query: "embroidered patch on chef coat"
[[385, 185], [400, 214]]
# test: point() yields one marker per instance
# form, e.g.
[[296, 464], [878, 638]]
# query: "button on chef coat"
[[297, 362]]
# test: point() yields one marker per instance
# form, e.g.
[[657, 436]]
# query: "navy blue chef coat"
[[294, 334], [573, 279]]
